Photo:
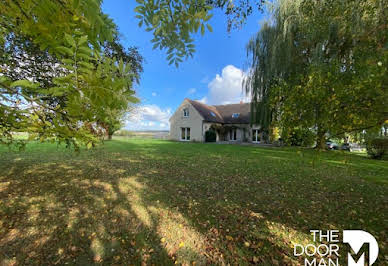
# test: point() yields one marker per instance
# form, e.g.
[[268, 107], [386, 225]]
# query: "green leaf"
[[197, 24], [209, 27], [86, 65], [65, 50], [70, 40], [85, 50], [24, 83], [208, 17], [139, 9], [155, 20], [169, 56], [68, 61], [82, 40]]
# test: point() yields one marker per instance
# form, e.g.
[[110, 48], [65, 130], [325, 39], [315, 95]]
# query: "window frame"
[[186, 132], [256, 135], [186, 112]]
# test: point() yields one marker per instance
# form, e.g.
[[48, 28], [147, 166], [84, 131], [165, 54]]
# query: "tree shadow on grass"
[[58, 213], [130, 204]]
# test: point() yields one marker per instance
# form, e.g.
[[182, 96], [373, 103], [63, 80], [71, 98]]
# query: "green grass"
[[160, 202]]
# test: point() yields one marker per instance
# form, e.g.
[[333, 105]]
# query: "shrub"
[[274, 134], [210, 136], [377, 147], [300, 137]]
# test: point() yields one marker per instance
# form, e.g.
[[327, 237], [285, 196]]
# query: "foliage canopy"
[[64, 75], [174, 22]]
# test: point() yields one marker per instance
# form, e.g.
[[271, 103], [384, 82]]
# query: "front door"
[[255, 136]]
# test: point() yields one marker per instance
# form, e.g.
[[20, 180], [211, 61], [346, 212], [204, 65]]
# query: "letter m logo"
[[356, 239]]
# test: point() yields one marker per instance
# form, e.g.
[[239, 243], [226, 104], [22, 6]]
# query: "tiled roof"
[[224, 113]]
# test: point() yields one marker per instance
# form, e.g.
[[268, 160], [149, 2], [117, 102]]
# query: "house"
[[230, 122]]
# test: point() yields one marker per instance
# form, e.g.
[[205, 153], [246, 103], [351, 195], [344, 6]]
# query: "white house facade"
[[230, 122]]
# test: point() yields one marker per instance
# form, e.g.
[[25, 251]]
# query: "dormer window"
[[235, 115], [186, 112], [213, 114]]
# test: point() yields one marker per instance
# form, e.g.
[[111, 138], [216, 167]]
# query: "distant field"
[[121, 134], [133, 201], [143, 134]]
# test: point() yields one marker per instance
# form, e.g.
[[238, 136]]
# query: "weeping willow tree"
[[259, 79], [270, 64], [320, 66]]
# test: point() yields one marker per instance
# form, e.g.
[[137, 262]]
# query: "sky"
[[213, 75]]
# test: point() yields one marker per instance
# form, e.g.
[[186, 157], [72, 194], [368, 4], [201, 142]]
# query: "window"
[[255, 135], [186, 112], [185, 133], [235, 115], [233, 134], [213, 114]]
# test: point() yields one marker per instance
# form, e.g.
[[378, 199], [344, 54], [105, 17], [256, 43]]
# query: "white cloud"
[[203, 100], [227, 87], [155, 113], [149, 117], [192, 91], [154, 94]]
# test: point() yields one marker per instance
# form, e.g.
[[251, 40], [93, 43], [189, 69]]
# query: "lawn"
[[159, 202]]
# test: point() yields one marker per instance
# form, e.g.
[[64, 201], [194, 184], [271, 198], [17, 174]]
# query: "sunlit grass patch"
[[178, 237]]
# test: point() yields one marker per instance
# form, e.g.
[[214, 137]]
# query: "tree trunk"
[[110, 136], [321, 143], [321, 140]]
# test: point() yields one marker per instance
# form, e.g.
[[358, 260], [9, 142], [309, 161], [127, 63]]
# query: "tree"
[[55, 57], [320, 68]]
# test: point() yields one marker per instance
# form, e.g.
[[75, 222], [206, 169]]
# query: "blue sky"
[[213, 75]]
